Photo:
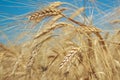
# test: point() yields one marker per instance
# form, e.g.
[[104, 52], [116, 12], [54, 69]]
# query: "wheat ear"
[[55, 4], [115, 21], [34, 52], [16, 63], [68, 57], [47, 30], [88, 29]]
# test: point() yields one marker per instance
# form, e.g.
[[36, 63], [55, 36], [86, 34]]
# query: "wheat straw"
[[3, 48], [77, 12]]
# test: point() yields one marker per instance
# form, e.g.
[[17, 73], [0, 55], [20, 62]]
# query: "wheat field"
[[63, 48]]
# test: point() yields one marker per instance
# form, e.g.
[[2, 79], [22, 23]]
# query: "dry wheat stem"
[[74, 21], [77, 12], [3, 48], [102, 42]]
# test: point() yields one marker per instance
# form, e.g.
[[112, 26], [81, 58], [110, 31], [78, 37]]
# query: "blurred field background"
[[60, 40]]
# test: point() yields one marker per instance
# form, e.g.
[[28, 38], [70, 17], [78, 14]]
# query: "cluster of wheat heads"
[[64, 49]]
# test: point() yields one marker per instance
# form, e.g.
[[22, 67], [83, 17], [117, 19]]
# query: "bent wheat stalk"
[[77, 12]]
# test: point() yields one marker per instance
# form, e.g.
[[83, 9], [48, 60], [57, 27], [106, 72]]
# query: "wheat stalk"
[[101, 41], [3, 48], [77, 12]]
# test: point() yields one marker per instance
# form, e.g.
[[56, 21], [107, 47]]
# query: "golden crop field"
[[62, 48]]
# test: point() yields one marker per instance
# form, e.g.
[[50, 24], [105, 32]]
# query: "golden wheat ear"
[[38, 16], [50, 10], [115, 21], [89, 29], [55, 4], [69, 56]]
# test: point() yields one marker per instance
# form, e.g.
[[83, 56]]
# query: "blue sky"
[[11, 8], [22, 6]]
